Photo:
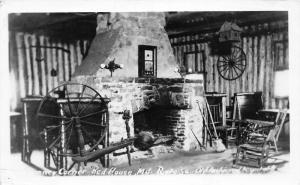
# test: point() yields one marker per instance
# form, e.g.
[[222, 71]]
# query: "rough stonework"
[[164, 114], [121, 34]]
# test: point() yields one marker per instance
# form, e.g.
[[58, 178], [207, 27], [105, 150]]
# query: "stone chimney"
[[118, 37]]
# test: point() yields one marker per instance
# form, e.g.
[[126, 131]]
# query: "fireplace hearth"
[[159, 105]]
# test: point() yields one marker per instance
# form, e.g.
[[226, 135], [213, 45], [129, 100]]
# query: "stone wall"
[[174, 99]]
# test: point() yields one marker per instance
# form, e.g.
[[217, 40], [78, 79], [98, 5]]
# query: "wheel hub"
[[76, 121], [231, 63]]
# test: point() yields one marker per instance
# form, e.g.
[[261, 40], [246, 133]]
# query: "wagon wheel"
[[232, 66], [72, 119]]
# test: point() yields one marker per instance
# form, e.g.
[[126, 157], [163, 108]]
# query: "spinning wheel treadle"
[[73, 121], [233, 65]]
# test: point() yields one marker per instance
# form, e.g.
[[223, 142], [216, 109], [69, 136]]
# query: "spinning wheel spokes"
[[233, 65], [71, 117], [89, 103], [80, 96], [51, 116]]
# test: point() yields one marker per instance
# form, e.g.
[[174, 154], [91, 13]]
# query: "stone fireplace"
[[164, 104]]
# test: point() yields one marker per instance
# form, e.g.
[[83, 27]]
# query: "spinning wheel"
[[232, 66], [73, 120]]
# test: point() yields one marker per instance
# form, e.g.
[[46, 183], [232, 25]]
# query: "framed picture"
[[147, 61]]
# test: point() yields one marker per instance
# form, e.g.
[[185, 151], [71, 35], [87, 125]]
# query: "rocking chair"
[[259, 142], [246, 107]]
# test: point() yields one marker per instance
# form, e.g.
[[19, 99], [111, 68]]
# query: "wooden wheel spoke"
[[58, 138], [225, 58], [221, 65], [91, 123], [235, 71], [226, 71], [80, 97], [68, 99], [93, 98], [226, 67], [240, 58], [229, 72], [68, 126], [68, 140], [228, 57], [222, 61], [232, 75], [52, 116], [237, 68], [240, 64], [91, 114], [88, 135], [52, 128]]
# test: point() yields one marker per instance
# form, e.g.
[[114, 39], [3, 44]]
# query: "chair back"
[[248, 104], [215, 101], [279, 121]]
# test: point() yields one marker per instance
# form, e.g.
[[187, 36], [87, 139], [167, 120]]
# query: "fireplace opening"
[[162, 122], [152, 120]]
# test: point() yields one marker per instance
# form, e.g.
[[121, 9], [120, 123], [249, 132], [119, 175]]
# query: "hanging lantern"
[[230, 32]]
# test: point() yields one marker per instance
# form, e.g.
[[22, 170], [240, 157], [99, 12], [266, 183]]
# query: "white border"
[[293, 6]]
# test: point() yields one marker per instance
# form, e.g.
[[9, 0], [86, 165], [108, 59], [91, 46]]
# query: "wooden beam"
[[213, 23], [35, 21], [209, 37]]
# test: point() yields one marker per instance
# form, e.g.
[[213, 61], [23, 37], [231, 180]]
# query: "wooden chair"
[[262, 126], [258, 145], [245, 106], [217, 106]]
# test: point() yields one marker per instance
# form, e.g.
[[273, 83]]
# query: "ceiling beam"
[[35, 21], [204, 22]]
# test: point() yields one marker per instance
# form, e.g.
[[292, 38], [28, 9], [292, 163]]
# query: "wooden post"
[[224, 110], [35, 66], [29, 74], [255, 64]]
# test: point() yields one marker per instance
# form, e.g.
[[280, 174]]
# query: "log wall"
[[265, 45], [30, 77], [266, 49]]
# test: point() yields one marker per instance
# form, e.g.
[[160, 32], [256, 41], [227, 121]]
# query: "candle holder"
[[111, 66]]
